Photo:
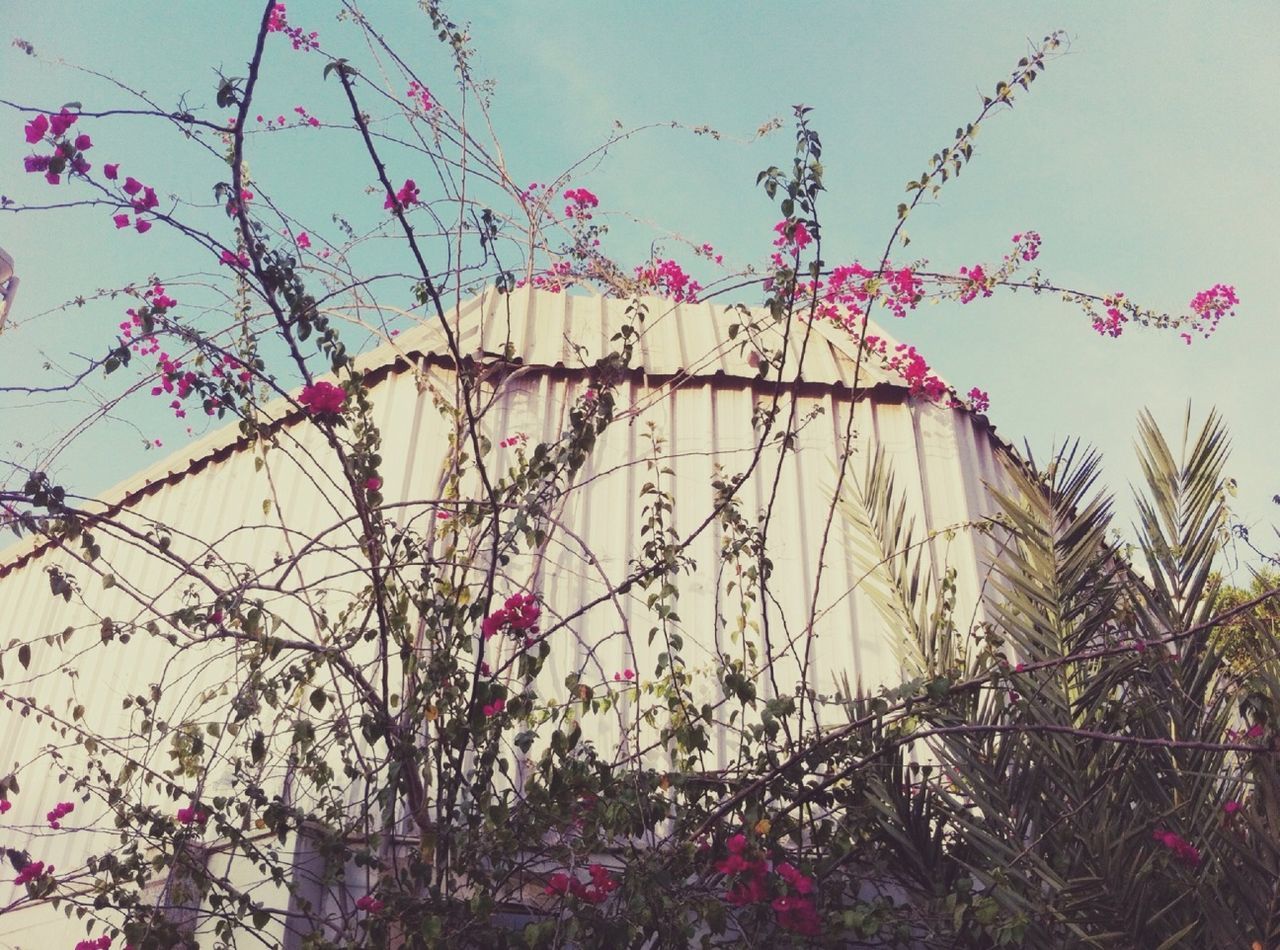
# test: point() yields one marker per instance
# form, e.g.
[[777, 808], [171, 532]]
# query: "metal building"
[[691, 401]]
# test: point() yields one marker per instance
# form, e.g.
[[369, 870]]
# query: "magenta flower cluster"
[[57, 813], [66, 153], [976, 283], [405, 198], [421, 95], [603, 883], [32, 871], [142, 198], [323, 398], [580, 204], [1112, 324], [278, 22], [752, 884], [1209, 307], [518, 617], [668, 279], [101, 943], [1183, 851], [793, 236], [1028, 245], [192, 815]]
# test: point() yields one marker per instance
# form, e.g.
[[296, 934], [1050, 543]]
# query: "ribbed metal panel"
[[698, 392]]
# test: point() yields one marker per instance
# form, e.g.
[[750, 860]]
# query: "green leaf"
[[24, 655], [318, 699]]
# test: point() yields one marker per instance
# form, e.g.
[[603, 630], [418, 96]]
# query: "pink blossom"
[[83, 142], [495, 707], [5, 805], [36, 163], [36, 129], [1113, 324], [792, 235], [602, 885], [1182, 849], [405, 198], [976, 282], [369, 903], [581, 203], [111, 171], [798, 915], [132, 186], [422, 95], [323, 398], [192, 814], [142, 226], [32, 871], [668, 279], [1210, 306], [304, 240], [373, 483], [52, 178], [519, 616], [101, 943], [1231, 807], [979, 400], [64, 120], [57, 813], [235, 260]]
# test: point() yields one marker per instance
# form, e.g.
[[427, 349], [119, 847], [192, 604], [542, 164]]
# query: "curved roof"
[[679, 343]]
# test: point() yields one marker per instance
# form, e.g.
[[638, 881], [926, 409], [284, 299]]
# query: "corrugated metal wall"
[[696, 389]]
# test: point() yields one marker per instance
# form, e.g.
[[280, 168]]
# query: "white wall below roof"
[[939, 456]]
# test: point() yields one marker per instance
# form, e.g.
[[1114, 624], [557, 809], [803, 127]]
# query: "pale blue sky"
[[1144, 157]]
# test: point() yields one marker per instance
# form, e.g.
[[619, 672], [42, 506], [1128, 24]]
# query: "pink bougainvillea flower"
[[558, 883], [100, 943], [141, 226], [31, 871], [192, 815], [979, 400], [52, 178], [370, 904], [1183, 850], [304, 241], [603, 883], [132, 186], [404, 199], [519, 615], [57, 813], [372, 483], [495, 707], [1231, 807], [792, 235], [111, 171], [323, 398], [36, 129], [83, 142], [797, 914], [64, 120], [5, 805]]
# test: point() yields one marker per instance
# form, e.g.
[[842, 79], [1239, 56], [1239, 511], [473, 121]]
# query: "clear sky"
[[1144, 157]]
